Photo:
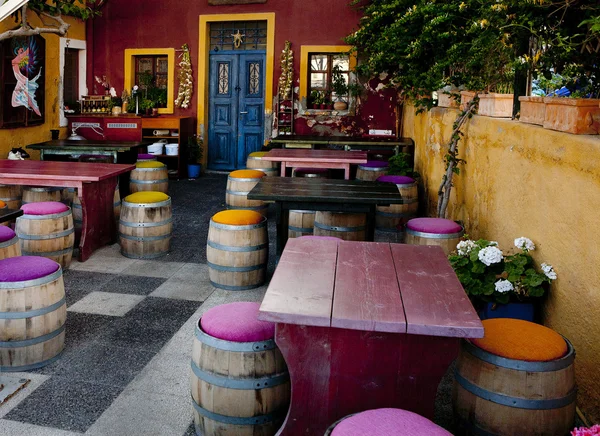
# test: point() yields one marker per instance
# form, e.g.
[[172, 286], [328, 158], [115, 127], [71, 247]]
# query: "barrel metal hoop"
[[45, 237], [144, 238], [405, 185], [41, 189], [76, 206], [372, 168], [163, 168], [144, 256], [222, 344], [32, 341], [32, 313], [239, 193], [340, 229], [236, 268], [240, 383], [236, 420], [46, 217], [311, 212], [522, 365], [7, 199], [516, 402], [35, 282], [236, 288], [158, 204], [48, 253], [30, 366], [394, 215], [216, 246], [160, 223], [10, 242], [235, 179], [300, 229], [435, 235], [254, 208], [148, 182], [261, 224]]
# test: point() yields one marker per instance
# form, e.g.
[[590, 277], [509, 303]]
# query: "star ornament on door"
[[238, 38]]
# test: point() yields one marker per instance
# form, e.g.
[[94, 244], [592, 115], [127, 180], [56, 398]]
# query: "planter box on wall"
[[496, 105], [533, 110], [445, 100], [580, 116], [465, 98]]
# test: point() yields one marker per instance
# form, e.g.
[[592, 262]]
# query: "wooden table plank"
[[325, 156], [67, 171], [301, 290], [434, 301], [366, 295], [85, 146]]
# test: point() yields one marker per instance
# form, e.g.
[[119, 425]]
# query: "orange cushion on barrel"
[[246, 174], [257, 154], [44, 208], [23, 268], [6, 233], [2, 204], [237, 322], [433, 225], [521, 340], [236, 217], [150, 164], [146, 197], [388, 422]]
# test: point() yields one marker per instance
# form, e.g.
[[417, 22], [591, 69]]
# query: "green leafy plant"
[[195, 149], [338, 83], [401, 165]]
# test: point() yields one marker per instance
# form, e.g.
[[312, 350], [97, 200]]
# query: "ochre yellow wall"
[[23, 136], [523, 180]]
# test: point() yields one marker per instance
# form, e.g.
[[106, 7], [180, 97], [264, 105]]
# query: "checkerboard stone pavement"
[[130, 323]]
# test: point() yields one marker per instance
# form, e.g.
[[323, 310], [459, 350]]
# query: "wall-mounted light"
[[10, 6]]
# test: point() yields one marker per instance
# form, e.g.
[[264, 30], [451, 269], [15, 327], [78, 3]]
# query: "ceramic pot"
[[340, 105], [194, 170]]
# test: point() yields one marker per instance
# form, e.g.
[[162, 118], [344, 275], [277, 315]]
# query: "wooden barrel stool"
[[145, 157], [517, 380], [36, 194], [11, 195], [67, 196], [300, 223], [46, 229], [346, 226], [379, 422], [237, 250], [393, 218], [255, 162], [239, 183], [434, 231], [3, 207], [322, 238], [318, 173], [146, 225], [371, 170], [9, 243], [149, 176], [32, 312], [240, 382]]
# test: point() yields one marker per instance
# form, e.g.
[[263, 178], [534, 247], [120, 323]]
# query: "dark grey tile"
[[80, 283], [191, 431], [126, 284]]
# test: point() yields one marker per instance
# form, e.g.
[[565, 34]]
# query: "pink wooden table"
[[364, 325], [334, 159]]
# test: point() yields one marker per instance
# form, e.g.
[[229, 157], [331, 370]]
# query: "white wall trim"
[[79, 45]]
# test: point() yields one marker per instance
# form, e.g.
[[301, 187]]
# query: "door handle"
[[244, 112]]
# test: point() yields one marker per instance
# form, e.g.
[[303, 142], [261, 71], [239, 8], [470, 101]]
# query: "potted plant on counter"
[[500, 285], [194, 154], [340, 88]]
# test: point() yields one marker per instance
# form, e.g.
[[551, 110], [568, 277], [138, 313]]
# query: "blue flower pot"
[[194, 170], [524, 311]]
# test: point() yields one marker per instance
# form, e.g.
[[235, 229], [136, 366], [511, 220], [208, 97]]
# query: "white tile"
[[35, 381], [107, 259], [106, 303], [14, 428], [190, 282], [153, 268]]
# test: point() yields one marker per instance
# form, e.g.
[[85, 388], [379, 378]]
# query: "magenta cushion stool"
[[433, 225], [146, 156], [44, 208], [237, 322], [322, 238], [6, 234], [388, 422], [375, 164], [23, 268], [398, 180]]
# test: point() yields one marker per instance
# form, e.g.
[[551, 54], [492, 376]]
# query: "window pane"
[[162, 65], [145, 64], [342, 61], [318, 80], [318, 62]]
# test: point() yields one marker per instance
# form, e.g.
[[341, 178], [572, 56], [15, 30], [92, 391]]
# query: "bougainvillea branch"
[[186, 82]]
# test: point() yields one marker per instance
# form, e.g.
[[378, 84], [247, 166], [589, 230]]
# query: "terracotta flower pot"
[[340, 105], [444, 100], [465, 98], [533, 110], [496, 105], [580, 116]]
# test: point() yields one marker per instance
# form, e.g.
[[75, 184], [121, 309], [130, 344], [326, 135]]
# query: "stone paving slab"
[[106, 303]]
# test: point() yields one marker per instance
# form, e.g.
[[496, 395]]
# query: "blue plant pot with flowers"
[[524, 311]]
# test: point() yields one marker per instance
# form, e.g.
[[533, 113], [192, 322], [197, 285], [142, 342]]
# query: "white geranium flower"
[[490, 255], [549, 271], [503, 286], [524, 243], [465, 247]]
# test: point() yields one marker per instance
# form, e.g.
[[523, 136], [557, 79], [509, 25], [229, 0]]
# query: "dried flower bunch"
[[103, 81], [186, 83], [489, 275], [287, 71]]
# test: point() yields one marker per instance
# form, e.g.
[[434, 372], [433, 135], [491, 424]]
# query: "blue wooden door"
[[236, 108]]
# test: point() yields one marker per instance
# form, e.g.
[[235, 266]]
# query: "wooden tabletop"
[[327, 156], [321, 190], [51, 170], [341, 140], [86, 145], [369, 286]]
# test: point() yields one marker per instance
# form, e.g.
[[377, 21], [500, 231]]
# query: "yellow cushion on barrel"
[[147, 197], [237, 217], [2, 204], [257, 154], [521, 340], [149, 164], [246, 174]]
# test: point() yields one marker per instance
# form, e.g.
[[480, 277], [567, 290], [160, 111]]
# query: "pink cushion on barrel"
[[44, 208], [388, 422], [323, 238], [398, 180], [22, 268], [6, 234], [375, 164], [237, 322], [433, 225]]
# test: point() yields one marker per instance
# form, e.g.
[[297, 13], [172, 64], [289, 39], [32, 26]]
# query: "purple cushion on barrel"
[[237, 322], [145, 156], [6, 233], [23, 268], [433, 225], [44, 208], [323, 238], [398, 180], [389, 422], [375, 164]]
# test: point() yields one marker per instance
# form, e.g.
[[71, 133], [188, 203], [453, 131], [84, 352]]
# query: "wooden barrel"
[[311, 173], [392, 218], [434, 231], [3, 207], [67, 196], [237, 250], [32, 313], [346, 226], [9, 243], [239, 183], [255, 162], [46, 229], [301, 223], [149, 176], [238, 388], [495, 395], [372, 170], [11, 195], [145, 225], [36, 194]]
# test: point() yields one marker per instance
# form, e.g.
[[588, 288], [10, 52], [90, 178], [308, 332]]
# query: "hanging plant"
[[186, 84], [287, 69]]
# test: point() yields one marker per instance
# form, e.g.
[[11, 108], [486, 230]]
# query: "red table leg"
[[98, 227], [336, 372]]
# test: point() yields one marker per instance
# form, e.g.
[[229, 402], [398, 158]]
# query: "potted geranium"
[[501, 285]]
